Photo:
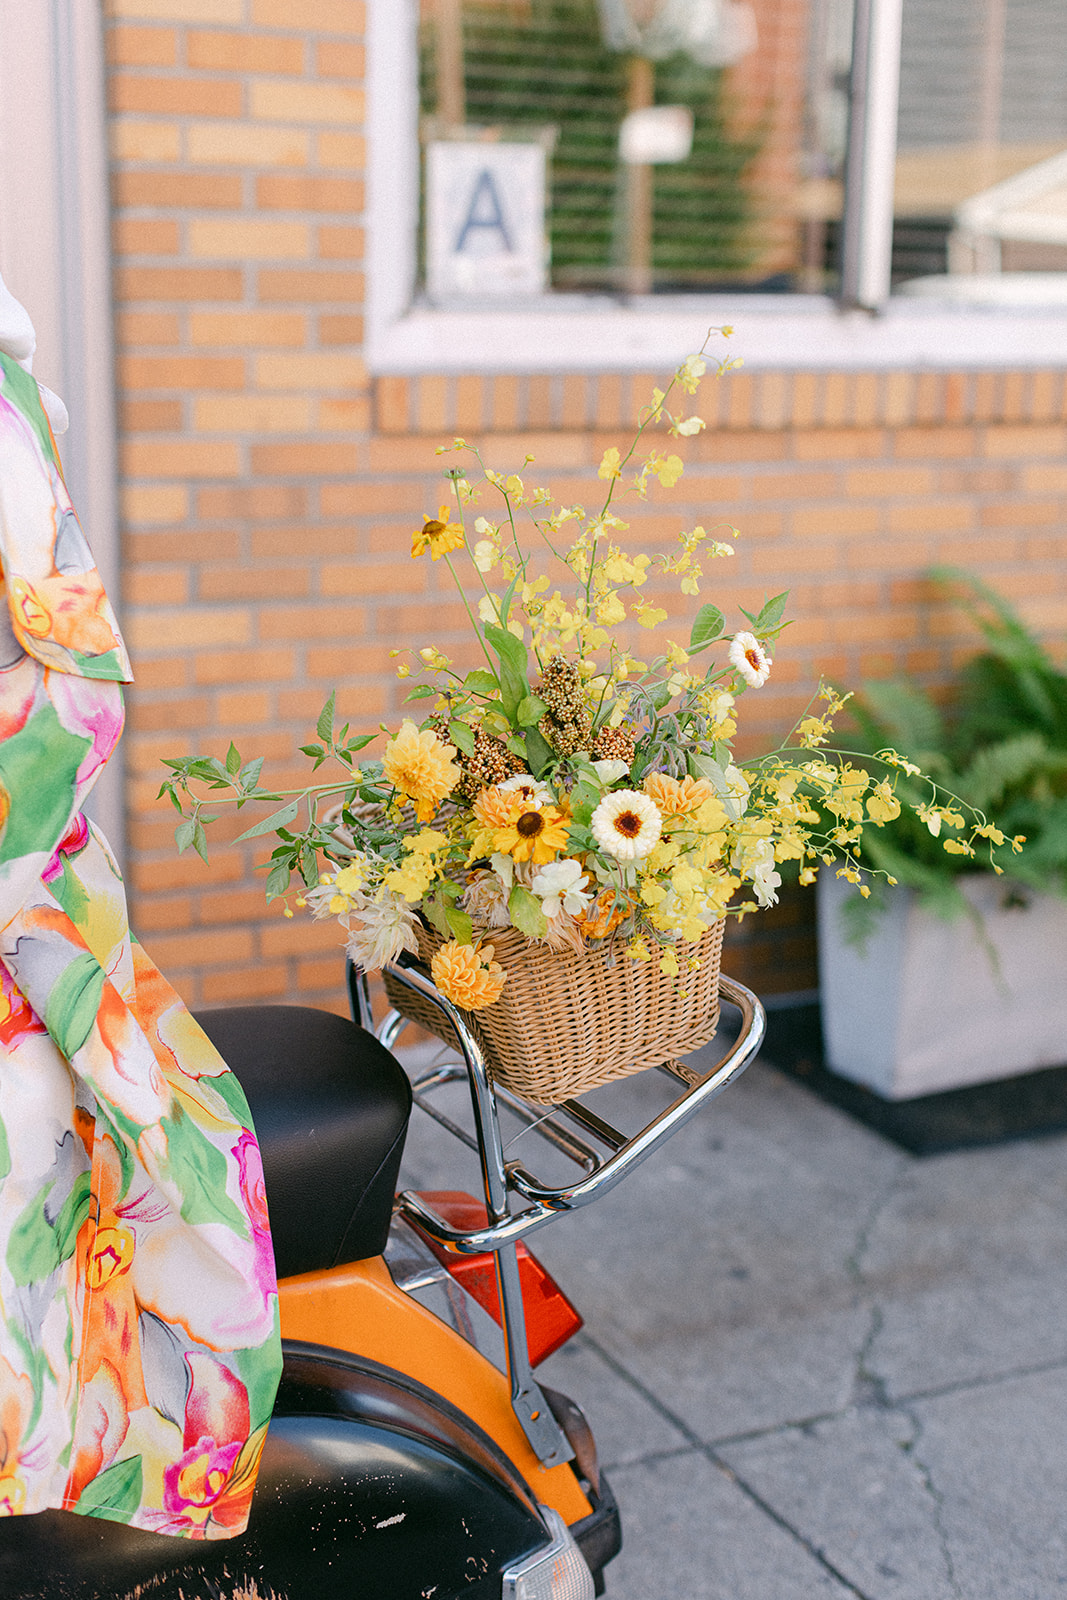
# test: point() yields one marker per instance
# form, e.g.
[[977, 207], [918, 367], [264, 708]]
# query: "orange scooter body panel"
[[359, 1308]]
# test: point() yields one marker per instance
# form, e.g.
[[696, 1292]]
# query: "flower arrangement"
[[563, 787]]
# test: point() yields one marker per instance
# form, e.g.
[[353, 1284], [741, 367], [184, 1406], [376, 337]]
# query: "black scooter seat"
[[331, 1108]]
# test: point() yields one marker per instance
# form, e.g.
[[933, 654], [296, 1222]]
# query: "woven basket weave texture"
[[567, 1023]]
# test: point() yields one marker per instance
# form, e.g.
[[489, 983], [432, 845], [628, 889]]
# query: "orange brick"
[[157, 915], [347, 578], [432, 402], [242, 238], [931, 516], [198, 544], [154, 504], [825, 444], [253, 583], [179, 283], [252, 413], [336, 662], [147, 327], [183, 96], [311, 622], [790, 485], [244, 983], [1022, 514], [301, 936], [889, 481], [1045, 398], [316, 540], [1045, 478], [161, 672], [244, 52], [150, 416], [252, 500], [278, 191], [243, 666], [255, 328], [331, 16], [806, 398], [141, 47], [187, 627], [284, 101], [311, 369], [811, 556], [345, 416], [247, 144], [137, 236], [341, 330], [144, 139], [232, 905], [158, 189], [1026, 441], [325, 973], [354, 499], [335, 58], [169, 715], [311, 459], [740, 446], [181, 372], [179, 10], [341, 244], [912, 442], [888, 554], [156, 586], [847, 519], [215, 946], [392, 400], [239, 708], [342, 150], [184, 872], [277, 284], [179, 458]]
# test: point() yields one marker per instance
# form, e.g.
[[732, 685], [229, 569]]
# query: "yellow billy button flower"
[[438, 535], [467, 975], [420, 768]]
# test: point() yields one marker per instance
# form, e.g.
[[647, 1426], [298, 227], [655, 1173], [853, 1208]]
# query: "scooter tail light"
[[558, 1573], [550, 1317]]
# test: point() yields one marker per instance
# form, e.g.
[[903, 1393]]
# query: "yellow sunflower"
[[438, 535], [534, 833]]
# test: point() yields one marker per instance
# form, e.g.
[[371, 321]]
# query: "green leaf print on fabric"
[[5, 1154], [74, 1002], [38, 1247], [199, 1170], [259, 1382], [114, 1493], [24, 393], [38, 766]]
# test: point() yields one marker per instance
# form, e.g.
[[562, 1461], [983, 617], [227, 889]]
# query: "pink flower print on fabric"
[[72, 843]]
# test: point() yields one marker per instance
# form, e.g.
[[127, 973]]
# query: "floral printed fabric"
[[139, 1349]]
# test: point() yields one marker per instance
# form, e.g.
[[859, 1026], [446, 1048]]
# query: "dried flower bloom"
[[467, 975]]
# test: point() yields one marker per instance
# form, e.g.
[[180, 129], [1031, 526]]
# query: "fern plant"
[[1000, 744]]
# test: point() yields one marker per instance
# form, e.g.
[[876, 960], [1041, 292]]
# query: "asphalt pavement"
[[817, 1367]]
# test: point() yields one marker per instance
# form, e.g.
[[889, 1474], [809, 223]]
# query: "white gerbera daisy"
[[750, 659], [626, 824]]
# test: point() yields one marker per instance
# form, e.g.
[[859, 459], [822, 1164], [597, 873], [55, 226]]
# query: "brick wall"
[[269, 487]]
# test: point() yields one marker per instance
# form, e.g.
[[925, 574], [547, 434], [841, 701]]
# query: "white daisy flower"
[[560, 886], [532, 791], [750, 659], [626, 825]]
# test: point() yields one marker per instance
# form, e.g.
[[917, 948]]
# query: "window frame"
[[866, 330]]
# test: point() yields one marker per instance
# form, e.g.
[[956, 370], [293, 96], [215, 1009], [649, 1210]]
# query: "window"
[[762, 194]]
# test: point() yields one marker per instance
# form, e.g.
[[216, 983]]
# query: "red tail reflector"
[[550, 1318]]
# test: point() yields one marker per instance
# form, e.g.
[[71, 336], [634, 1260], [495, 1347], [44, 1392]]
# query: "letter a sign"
[[485, 220]]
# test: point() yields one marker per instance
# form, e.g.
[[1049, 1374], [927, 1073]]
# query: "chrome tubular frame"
[[569, 1127]]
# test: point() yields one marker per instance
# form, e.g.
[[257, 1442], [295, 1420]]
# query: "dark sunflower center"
[[628, 823], [433, 528], [753, 660], [530, 823]]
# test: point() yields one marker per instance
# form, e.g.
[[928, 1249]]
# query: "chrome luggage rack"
[[602, 1152]]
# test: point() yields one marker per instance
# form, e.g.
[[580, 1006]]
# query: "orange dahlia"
[[467, 975]]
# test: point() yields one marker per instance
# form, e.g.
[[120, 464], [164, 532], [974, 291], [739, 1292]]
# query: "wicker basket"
[[567, 1023]]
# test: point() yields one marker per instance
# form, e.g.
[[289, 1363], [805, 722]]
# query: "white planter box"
[[921, 1008]]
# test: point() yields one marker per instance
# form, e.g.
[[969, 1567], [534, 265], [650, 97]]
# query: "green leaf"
[[462, 736], [250, 775], [538, 753], [529, 711], [277, 881], [184, 833], [511, 653], [115, 1493], [436, 915], [707, 627], [74, 1001], [270, 824], [526, 914], [324, 726], [200, 838], [771, 613], [233, 759], [479, 681], [585, 798], [459, 924], [421, 691], [518, 745]]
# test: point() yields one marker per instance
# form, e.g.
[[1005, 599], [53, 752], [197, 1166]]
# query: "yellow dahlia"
[[438, 535], [674, 797], [420, 768], [467, 975]]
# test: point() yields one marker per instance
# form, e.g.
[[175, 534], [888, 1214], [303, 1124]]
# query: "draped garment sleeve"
[[139, 1348]]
